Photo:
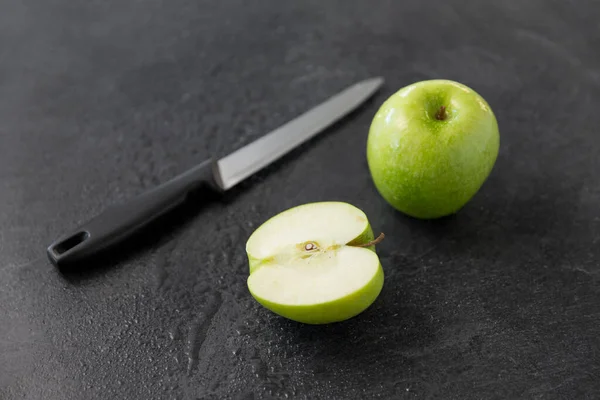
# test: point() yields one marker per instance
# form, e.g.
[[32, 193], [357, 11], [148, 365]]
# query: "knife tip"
[[373, 83]]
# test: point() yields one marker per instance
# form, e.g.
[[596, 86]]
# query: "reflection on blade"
[[244, 162]]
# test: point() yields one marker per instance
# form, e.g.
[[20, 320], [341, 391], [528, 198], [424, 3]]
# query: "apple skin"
[[334, 311], [425, 167]]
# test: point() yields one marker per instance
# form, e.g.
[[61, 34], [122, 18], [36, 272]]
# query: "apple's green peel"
[[365, 237]]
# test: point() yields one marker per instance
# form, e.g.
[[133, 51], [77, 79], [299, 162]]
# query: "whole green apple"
[[431, 146]]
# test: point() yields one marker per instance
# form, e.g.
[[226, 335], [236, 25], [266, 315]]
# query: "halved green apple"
[[315, 263]]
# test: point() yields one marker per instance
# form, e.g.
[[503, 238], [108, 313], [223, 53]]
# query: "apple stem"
[[441, 114], [373, 242]]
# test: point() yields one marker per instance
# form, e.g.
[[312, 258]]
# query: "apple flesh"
[[315, 263], [431, 146]]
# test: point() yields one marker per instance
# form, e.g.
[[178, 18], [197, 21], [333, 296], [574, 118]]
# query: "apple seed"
[[310, 246]]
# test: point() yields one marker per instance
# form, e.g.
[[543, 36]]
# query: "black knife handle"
[[121, 221]]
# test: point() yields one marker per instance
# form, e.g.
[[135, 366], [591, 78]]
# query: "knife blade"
[[119, 222]]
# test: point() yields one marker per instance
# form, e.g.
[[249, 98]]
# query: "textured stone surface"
[[101, 100]]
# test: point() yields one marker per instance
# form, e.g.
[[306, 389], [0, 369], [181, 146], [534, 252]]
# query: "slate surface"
[[101, 100]]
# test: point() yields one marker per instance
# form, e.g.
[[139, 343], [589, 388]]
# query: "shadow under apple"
[[374, 345]]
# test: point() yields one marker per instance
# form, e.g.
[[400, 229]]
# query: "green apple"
[[431, 146], [315, 263]]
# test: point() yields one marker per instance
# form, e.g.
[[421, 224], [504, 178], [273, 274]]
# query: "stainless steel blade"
[[239, 165]]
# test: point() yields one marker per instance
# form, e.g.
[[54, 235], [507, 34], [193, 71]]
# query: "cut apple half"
[[315, 263]]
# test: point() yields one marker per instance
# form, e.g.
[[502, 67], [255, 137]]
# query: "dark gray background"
[[100, 100]]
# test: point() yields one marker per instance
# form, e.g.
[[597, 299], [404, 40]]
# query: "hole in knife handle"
[[69, 243]]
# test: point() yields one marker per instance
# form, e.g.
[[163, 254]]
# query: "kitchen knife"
[[119, 222]]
